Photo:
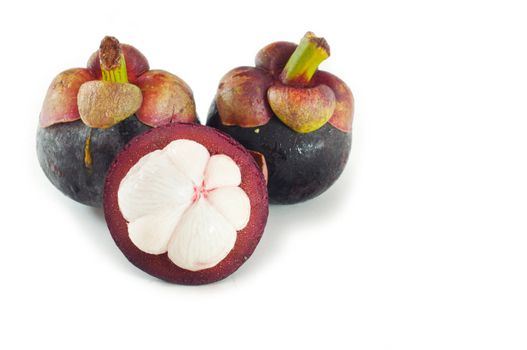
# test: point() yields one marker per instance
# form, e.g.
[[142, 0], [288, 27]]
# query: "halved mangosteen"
[[186, 203], [89, 114]]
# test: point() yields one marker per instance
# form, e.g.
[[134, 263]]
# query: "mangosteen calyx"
[[286, 83]]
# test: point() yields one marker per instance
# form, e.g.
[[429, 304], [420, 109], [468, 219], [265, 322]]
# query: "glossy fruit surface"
[[300, 166], [61, 153], [299, 118]]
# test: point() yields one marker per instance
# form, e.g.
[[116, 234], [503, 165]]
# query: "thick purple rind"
[[301, 166], [61, 152], [216, 142]]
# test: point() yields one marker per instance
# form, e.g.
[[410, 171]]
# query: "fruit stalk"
[[113, 64], [304, 61]]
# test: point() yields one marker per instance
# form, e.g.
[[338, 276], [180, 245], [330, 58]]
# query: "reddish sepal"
[[273, 57], [342, 117], [60, 104], [166, 99], [241, 98]]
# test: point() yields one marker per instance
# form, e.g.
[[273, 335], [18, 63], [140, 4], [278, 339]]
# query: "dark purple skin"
[[301, 166], [60, 151]]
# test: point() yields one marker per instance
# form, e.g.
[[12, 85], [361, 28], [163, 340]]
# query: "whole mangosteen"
[[89, 114], [297, 117]]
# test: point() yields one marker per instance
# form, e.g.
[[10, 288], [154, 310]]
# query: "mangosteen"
[[89, 114], [185, 203], [299, 118]]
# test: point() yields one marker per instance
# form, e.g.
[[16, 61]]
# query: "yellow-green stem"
[[113, 64], [116, 75], [304, 61]]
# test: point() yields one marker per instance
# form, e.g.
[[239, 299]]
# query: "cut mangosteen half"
[[186, 203]]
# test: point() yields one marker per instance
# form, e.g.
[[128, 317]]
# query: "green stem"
[[113, 64], [304, 61]]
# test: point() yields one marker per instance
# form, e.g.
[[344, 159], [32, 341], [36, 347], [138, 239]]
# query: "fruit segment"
[[151, 233], [155, 183], [221, 172], [162, 202], [202, 238], [190, 158], [233, 203]]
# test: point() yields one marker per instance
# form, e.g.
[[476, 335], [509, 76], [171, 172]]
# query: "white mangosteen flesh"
[[184, 202]]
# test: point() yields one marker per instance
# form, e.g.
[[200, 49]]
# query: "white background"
[[421, 244]]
